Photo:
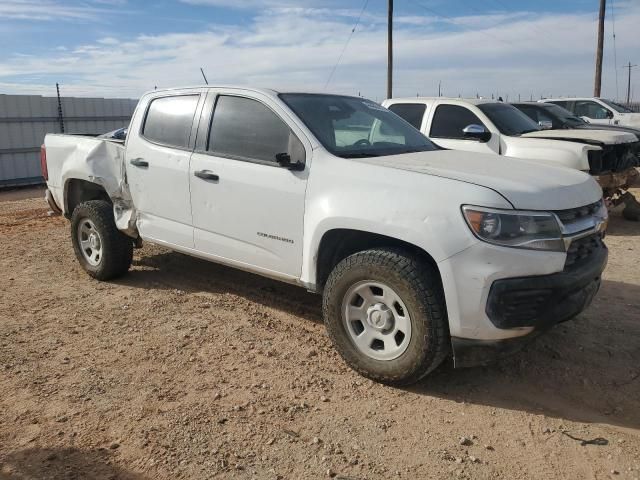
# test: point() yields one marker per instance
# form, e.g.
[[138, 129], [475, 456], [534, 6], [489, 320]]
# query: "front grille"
[[613, 158], [583, 248], [573, 214]]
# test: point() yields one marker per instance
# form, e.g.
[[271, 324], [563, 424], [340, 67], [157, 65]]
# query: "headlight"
[[512, 228]]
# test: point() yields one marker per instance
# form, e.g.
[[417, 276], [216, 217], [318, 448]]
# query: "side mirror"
[[545, 124], [476, 132], [284, 160], [609, 114]]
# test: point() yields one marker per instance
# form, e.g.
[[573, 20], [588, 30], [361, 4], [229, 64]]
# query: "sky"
[[510, 48]]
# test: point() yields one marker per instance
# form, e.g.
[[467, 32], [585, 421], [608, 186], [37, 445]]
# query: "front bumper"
[[535, 303]]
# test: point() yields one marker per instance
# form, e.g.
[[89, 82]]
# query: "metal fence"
[[635, 106], [25, 119]]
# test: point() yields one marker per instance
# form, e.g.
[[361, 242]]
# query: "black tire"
[[418, 285], [116, 247]]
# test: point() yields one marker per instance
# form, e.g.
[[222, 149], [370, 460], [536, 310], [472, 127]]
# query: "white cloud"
[[297, 48], [47, 10]]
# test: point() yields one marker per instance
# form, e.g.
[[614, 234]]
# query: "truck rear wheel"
[[384, 310], [103, 251]]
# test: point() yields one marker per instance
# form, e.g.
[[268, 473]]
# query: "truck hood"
[[526, 184], [607, 137]]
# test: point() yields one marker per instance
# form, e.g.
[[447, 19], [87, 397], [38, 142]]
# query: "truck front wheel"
[[103, 251], [384, 310]]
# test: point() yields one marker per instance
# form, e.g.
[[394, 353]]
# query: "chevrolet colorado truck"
[[480, 125], [418, 252]]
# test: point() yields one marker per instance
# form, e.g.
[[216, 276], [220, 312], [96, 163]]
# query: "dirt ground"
[[185, 369]]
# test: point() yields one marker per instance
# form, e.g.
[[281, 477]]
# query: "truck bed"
[[93, 159]]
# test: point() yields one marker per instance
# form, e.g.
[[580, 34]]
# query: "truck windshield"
[[508, 119], [616, 106], [565, 116], [351, 127]]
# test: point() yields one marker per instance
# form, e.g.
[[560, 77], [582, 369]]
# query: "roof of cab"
[[568, 99], [473, 101], [265, 91]]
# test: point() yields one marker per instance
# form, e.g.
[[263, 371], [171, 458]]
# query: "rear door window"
[[411, 112], [169, 120], [449, 121]]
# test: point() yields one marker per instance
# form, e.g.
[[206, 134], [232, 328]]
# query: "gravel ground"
[[186, 369]]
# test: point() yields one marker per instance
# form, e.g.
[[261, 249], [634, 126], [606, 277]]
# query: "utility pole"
[[598, 82], [439, 88], [629, 81], [390, 51]]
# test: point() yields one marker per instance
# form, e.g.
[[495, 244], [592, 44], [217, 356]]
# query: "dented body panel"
[[94, 160]]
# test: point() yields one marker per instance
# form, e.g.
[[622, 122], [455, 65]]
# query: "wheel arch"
[[339, 243], [77, 191]]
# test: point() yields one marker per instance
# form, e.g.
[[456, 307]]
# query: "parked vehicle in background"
[[552, 116], [621, 159], [598, 110], [479, 125], [417, 251]]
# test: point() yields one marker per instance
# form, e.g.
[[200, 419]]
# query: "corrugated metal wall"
[[25, 119]]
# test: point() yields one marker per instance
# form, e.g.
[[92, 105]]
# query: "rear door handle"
[[206, 175], [139, 162]]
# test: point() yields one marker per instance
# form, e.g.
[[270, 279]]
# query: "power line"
[[615, 53], [353, 30], [542, 31], [454, 22]]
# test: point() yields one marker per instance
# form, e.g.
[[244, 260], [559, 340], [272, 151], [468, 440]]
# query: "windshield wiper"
[[529, 131]]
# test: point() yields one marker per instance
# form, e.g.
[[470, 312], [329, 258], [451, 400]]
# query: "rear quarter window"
[[169, 120]]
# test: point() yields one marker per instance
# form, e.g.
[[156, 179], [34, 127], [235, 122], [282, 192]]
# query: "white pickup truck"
[[599, 111], [481, 125], [417, 251]]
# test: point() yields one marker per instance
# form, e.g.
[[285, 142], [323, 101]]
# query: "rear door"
[[247, 209], [446, 129], [158, 153]]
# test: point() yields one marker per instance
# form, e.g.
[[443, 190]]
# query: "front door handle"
[[207, 175], [139, 162]]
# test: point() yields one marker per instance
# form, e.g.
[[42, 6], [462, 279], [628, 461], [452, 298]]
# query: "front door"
[[447, 125], [247, 209]]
